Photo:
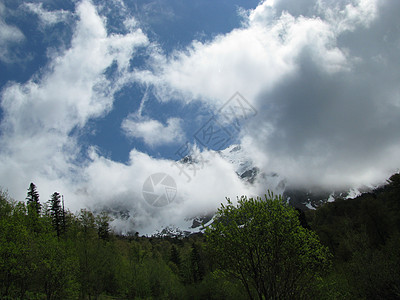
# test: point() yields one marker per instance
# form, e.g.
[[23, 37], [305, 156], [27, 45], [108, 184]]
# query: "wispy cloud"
[[46, 17]]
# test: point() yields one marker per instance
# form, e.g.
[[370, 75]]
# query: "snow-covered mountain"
[[251, 174], [303, 199]]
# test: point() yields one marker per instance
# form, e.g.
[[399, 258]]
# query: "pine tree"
[[197, 265], [175, 257], [32, 199], [63, 221], [56, 212]]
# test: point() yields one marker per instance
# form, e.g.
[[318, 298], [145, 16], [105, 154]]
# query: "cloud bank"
[[322, 75]]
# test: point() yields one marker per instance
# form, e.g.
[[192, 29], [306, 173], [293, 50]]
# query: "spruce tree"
[[175, 257], [197, 265], [56, 212], [32, 199]]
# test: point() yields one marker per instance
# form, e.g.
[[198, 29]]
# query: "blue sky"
[[173, 25], [96, 96]]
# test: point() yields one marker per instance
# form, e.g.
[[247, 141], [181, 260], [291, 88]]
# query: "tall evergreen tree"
[[175, 257], [32, 199], [56, 212], [63, 221], [197, 266]]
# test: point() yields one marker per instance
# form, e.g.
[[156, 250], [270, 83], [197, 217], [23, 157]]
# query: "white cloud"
[[251, 59], [74, 88], [40, 114], [47, 18], [9, 35], [153, 132], [119, 186], [308, 71], [348, 16]]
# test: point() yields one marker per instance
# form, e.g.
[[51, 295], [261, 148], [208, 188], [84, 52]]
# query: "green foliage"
[[175, 256], [32, 200], [364, 235], [261, 243], [15, 262], [254, 249], [103, 225], [197, 264], [56, 212]]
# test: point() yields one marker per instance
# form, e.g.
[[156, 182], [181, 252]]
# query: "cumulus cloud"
[[153, 132], [39, 115], [337, 129], [38, 144], [323, 76], [119, 186]]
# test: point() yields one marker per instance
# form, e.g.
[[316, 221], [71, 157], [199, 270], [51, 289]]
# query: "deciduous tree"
[[262, 244]]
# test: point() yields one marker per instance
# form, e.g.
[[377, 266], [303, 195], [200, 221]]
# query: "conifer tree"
[[197, 266], [175, 257], [56, 212], [32, 199]]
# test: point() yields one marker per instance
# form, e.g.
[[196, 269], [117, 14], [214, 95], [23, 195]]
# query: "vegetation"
[[363, 234], [261, 243], [256, 249]]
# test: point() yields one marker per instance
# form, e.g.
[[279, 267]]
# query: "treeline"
[[257, 249], [363, 234], [47, 252]]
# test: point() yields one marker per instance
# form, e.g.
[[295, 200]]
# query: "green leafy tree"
[[5, 205], [103, 225], [16, 263], [97, 258], [56, 267], [262, 244]]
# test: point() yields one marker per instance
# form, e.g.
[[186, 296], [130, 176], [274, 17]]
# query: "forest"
[[255, 249]]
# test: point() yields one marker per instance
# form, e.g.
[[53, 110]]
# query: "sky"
[[98, 98]]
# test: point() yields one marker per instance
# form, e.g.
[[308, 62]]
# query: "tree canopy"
[[262, 244], [255, 248]]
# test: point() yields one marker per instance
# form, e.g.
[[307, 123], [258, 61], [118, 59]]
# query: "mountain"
[[245, 168], [249, 172], [300, 198]]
